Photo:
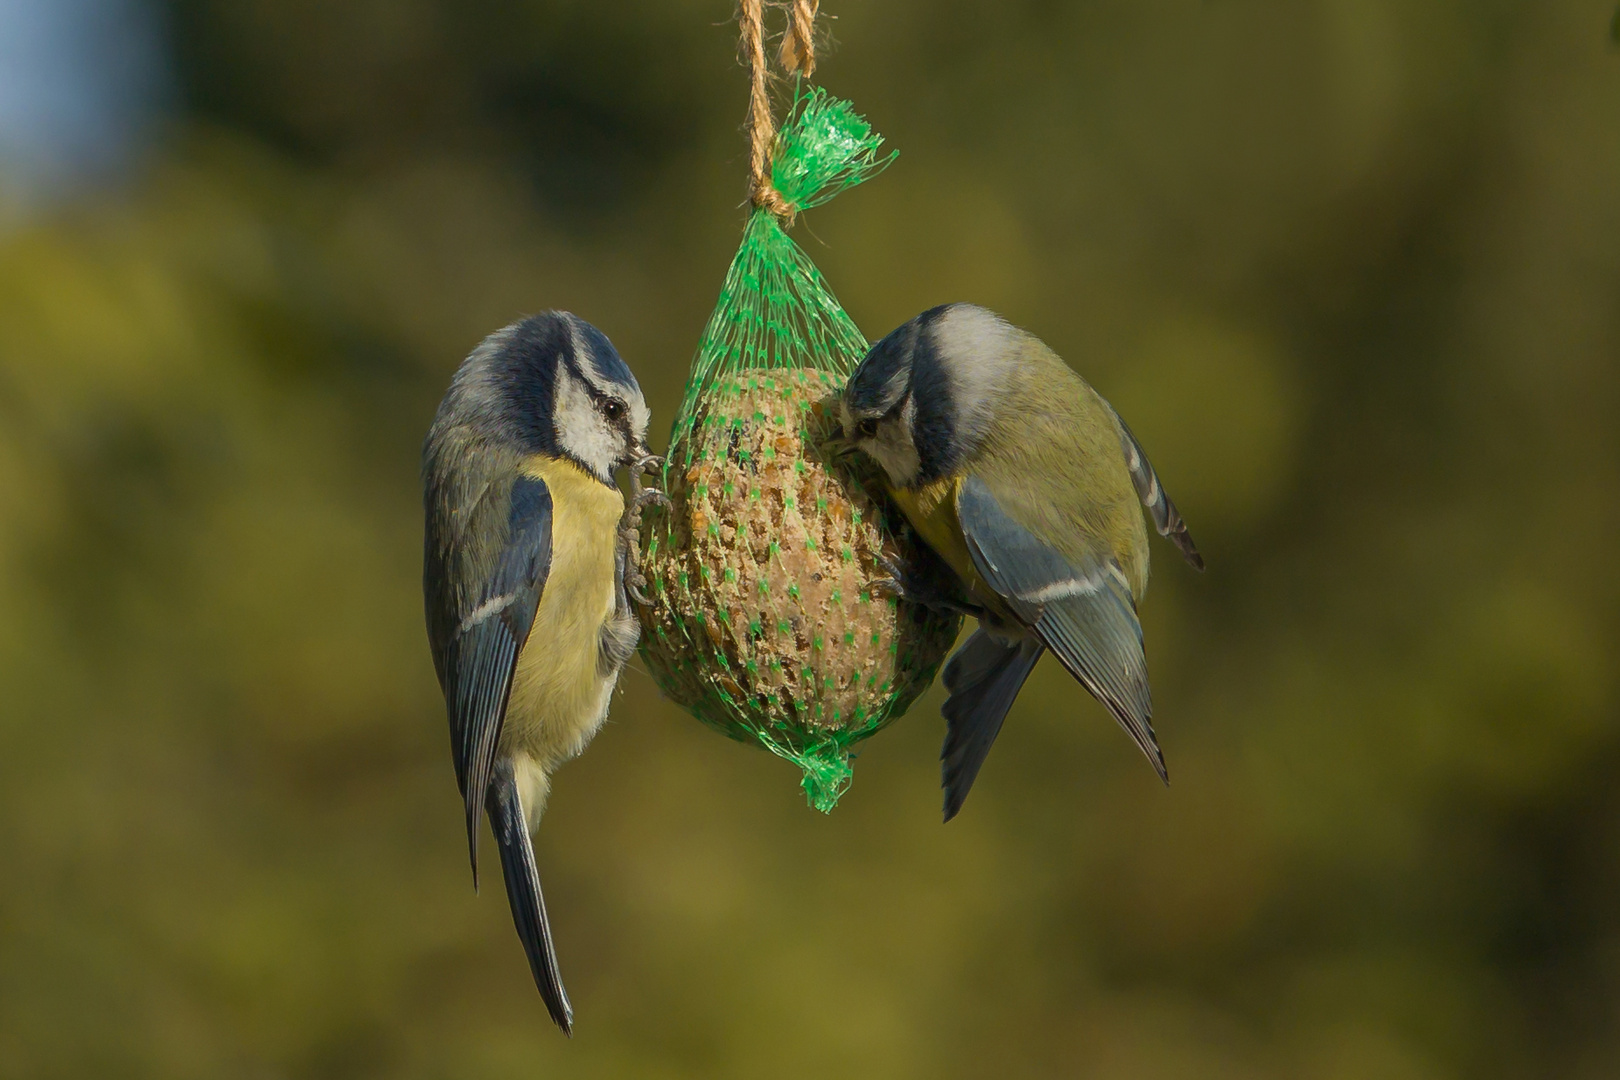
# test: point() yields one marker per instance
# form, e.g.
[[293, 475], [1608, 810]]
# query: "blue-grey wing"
[[481, 655], [1166, 518], [1085, 614]]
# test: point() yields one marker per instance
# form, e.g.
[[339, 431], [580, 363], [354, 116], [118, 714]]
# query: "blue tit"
[[526, 573], [1024, 484]]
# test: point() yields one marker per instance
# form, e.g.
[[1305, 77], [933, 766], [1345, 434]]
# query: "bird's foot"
[[924, 583], [635, 582], [894, 581], [642, 496]]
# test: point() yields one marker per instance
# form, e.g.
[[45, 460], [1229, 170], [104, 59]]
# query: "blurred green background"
[[1351, 268]]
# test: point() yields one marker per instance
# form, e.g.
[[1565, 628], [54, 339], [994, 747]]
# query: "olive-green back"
[[1055, 463]]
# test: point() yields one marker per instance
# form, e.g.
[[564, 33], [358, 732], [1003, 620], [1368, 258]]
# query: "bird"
[[528, 566], [1024, 487]]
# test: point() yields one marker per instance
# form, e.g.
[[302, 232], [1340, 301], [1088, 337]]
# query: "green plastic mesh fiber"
[[764, 623]]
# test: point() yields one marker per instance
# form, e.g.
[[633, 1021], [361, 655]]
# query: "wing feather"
[[1084, 614], [1166, 518], [482, 654]]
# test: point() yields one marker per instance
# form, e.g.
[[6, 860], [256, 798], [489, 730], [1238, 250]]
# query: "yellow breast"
[[931, 509], [559, 698]]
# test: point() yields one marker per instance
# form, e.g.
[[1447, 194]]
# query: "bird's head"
[[921, 401], [553, 384]]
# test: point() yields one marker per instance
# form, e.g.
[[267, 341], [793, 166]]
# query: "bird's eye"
[[613, 410], [866, 429]]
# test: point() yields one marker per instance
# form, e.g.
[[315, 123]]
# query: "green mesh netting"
[[764, 622]]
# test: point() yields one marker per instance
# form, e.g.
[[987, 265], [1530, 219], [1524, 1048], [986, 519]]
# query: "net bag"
[[764, 621]]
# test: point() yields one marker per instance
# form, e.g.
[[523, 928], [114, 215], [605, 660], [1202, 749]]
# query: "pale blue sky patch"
[[81, 82]]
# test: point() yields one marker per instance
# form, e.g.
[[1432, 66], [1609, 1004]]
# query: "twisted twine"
[[798, 52], [797, 56]]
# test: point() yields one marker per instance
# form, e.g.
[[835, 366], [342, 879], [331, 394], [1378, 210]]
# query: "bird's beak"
[[841, 443], [836, 442], [640, 458]]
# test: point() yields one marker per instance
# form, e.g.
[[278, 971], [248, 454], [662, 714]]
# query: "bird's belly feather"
[[559, 695], [931, 509]]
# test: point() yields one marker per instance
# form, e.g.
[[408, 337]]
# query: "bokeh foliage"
[[1351, 268]]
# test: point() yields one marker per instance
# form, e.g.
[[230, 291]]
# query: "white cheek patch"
[[893, 448], [582, 431]]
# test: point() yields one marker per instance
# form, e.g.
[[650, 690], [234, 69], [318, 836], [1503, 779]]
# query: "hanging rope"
[[798, 56], [798, 52]]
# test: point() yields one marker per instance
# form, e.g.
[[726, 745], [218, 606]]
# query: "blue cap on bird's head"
[[603, 359], [884, 375]]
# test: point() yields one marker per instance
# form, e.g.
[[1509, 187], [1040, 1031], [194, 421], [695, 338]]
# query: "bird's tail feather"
[[523, 891], [983, 678]]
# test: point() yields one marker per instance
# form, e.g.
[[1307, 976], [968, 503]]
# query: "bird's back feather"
[[1056, 466]]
